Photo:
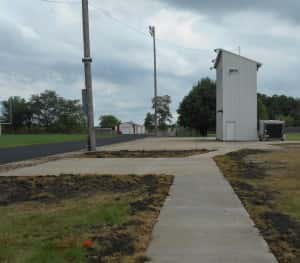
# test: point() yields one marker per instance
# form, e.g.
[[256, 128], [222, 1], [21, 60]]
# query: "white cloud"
[[178, 27], [15, 85], [67, 15], [105, 87], [28, 32]]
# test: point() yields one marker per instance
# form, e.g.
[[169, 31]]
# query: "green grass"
[[211, 134], [293, 136], [42, 233], [11, 141], [270, 192], [188, 132], [282, 180]]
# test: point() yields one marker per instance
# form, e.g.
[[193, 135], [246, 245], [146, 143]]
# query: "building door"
[[219, 125], [230, 131]]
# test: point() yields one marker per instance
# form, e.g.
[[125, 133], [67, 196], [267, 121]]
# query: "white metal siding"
[[219, 95], [130, 128], [126, 128], [238, 94], [140, 129]]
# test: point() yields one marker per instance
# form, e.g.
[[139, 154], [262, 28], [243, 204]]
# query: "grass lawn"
[[10, 141], [293, 136], [48, 219], [268, 183], [53, 233], [186, 132], [211, 134]]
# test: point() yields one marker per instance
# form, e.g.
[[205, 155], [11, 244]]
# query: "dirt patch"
[[145, 154], [247, 169], [266, 189], [253, 195], [55, 188], [279, 226], [112, 240], [121, 242]]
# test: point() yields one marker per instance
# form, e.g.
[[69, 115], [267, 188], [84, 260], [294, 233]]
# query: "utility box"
[[236, 97], [271, 130]]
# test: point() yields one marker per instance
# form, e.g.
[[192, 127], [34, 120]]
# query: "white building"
[[236, 97], [140, 129], [131, 128]]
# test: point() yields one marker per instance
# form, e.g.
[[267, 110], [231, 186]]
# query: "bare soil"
[[146, 154], [111, 243], [260, 182]]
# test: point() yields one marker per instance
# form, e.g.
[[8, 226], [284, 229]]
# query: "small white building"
[[236, 97], [131, 128], [140, 129]]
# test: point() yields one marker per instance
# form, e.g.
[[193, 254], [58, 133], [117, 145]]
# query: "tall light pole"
[[152, 33], [87, 60]]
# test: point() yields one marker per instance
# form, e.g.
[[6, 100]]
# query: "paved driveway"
[[8, 155]]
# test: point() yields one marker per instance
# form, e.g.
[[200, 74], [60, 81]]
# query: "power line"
[[119, 21], [62, 1], [142, 32], [102, 11]]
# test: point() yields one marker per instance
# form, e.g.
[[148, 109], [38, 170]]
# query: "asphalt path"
[[8, 155]]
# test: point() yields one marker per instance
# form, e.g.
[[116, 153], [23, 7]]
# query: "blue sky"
[[41, 48]]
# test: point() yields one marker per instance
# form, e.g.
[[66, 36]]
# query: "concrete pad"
[[202, 220], [175, 143], [116, 166]]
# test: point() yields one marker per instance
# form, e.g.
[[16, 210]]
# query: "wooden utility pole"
[[152, 33], [87, 60]]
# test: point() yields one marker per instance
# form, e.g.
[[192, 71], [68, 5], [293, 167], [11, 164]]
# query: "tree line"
[[48, 112], [198, 109], [280, 107], [42, 113]]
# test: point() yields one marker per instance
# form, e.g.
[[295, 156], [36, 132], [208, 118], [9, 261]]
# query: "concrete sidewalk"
[[202, 220]]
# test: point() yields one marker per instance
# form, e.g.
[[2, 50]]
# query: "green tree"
[[70, 117], [289, 120], [282, 107], [164, 116], [149, 122], [198, 109], [262, 110], [45, 108], [109, 121], [17, 110], [52, 113]]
